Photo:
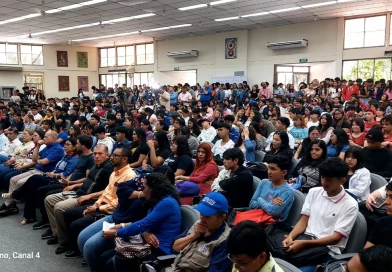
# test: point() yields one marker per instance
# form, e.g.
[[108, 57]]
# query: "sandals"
[[6, 196], [27, 221]]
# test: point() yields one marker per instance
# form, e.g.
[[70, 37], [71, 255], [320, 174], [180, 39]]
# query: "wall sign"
[[231, 48]]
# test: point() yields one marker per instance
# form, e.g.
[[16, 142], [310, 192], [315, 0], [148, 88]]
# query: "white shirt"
[[359, 184], [3, 142], [219, 149], [330, 214], [223, 174], [37, 117], [271, 136], [311, 124], [227, 93], [207, 135], [10, 147]]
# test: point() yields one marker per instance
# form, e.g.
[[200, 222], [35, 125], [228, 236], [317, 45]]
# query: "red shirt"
[[359, 140], [369, 126], [348, 91], [204, 176]]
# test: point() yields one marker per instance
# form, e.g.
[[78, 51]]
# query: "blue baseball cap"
[[213, 203]]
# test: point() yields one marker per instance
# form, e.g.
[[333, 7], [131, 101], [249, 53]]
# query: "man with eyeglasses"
[[78, 218], [248, 249]]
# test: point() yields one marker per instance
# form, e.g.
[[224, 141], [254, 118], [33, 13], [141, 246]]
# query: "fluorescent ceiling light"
[[227, 19], [20, 18], [74, 6], [194, 7], [221, 2], [33, 15], [131, 33], [285, 10], [319, 4], [89, 25], [254, 14]]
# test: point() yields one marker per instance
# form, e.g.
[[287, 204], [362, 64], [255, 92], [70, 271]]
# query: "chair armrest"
[[166, 260], [343, 257]]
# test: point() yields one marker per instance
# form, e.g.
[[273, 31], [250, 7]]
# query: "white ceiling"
[[167, 14]]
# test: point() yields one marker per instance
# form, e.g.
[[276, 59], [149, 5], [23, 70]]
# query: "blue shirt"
[[164, 221], [118, 144], [265, 194], [332, 151], [53, 153], [250, 147], [173, 98], [63, 136], [234, 134], [299, 133], [205, 97], [66, 165]]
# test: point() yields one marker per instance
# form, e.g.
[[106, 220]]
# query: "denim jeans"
[[4, 158], [92, 244]]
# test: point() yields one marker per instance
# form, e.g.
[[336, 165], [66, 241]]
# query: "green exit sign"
[[176, 68], [303, 60]]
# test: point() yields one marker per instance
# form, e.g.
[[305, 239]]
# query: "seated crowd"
[[112, 172]]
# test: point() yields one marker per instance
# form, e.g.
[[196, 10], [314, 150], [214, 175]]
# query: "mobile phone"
[[378, 202]]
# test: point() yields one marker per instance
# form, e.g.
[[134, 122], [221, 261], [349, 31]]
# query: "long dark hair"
[[141, 134], [307, 159], [342, 139], [195, 129], [163, 141], [147, 123], [284, 137], [160, 188], [252, 136], [182, 146], [328, 125], [357, 153]]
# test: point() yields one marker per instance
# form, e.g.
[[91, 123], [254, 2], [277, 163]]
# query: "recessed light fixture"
[[131, 33], [33, 15], [227, 19], [206, 5]]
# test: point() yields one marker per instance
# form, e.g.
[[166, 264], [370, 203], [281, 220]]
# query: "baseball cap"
[[372, 110], [213, 203], [375, 134]]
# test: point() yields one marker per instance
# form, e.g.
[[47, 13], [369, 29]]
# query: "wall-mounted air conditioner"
[[289, 44], [183, 54], [14, 68]]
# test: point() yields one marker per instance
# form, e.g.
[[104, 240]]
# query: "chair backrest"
[[294, 163], [67, 125], [377, 182], [259, 155], [295, 211], [256, 182], [188, 216], [287, 267], [357, 238]]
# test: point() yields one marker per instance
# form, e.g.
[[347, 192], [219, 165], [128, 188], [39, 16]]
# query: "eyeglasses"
[[242, 266], [115, 155]]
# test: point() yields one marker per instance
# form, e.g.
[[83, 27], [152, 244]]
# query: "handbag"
[[308, 256], [135, 247], [187, 188], [258, 216]]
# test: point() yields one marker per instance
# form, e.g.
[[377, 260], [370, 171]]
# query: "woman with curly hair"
[[180, 161]]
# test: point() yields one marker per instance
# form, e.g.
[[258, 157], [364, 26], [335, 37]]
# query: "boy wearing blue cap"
[[202, 247]]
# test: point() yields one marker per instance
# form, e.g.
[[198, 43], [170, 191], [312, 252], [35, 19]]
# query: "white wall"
[[188, 76], [322, 70], [51, 71]]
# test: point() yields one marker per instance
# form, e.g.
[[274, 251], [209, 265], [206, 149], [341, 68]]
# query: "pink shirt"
[[185, 97], [266, 92]]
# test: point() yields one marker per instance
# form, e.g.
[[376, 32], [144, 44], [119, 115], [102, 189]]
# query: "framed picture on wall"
[[231, 48], [64, 84], [82, 59], [83, 83], [62, 59]]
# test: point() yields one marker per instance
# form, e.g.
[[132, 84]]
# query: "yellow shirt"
[[109, 196], [267, 267]]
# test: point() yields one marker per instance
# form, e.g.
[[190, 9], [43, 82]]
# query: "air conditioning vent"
[[183, 54], [11, 68], [288, 44]]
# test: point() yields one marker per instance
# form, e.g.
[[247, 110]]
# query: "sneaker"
[[72, 254], [3, 207], [47, 234], [40, 225], [60, 249], [53, 241], [9, 211]]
